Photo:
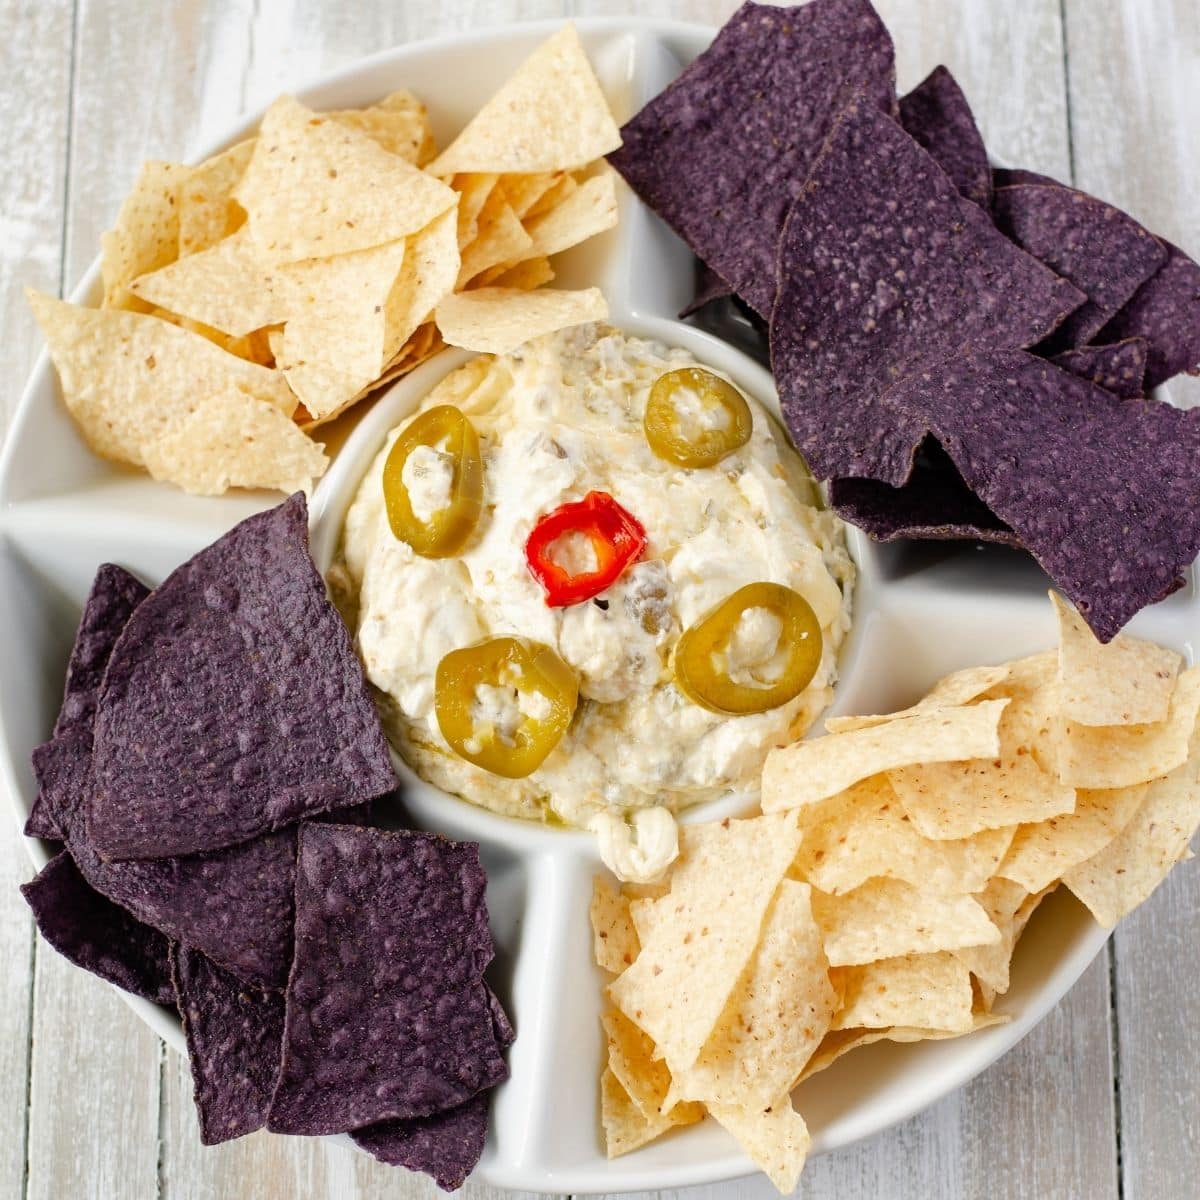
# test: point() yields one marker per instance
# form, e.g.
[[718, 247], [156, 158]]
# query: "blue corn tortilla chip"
[[1166, 312], [233, 703], [884, 266], [1119, 368], [113, 596], [1101, 491], [937, 115], [722, 151], [96, 934], [234, 1034], [505, 1033], [445, 1146], [934, 504], [1101, 250], [387, 1014]]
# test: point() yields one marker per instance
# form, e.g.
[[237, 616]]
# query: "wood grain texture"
[[35, 58], [1134, 74], [110, 1112]]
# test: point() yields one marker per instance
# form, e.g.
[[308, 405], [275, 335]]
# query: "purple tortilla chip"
[[935, 504], [1101, 491], [446, 1145], [96, 935], [1119, 368], [60, 767], [233, 703], [1165, 311], [505, 1033], [937, 115], [234, 1037], [1101, 250], [387, 1014], [720, 154], [1003, 177], [884, 266]]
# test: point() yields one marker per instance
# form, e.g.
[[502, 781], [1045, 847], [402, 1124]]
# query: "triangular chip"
[[524, 191], [206, 209], [146, 235], [431, 263], [527, 275], [808, 771], [1008, 906], [928, 991], [499, 238], [614, 941], [678, 986], [959, 688], [589, 210], [243, 630], [885, 919], [498, 320], [399, 123], [645, 1078], [625, 1126], [316, 188], [549, 116], [1126, 682], [776, 1139]]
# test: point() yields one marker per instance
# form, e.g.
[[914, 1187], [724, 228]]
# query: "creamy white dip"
[[558, 418]]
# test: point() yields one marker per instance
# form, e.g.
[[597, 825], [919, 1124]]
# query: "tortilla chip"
[[614, 941], [427, 275], [960, 799], [928, 991], [954, 690], [776, 1017], [527, 275], [589, 210], [1127, 682], [550, 115], [315, 188], [498, 320], [865, 833], [1104, 252], [207, 212], [399, 123], [557, 193], [886, 918], [721, 153], [499, 238], [706, 931], [1123, 874], [234, 441], [1041, 854], [1119, 756], [146, 235], [644, 1078], [625, 1127], [776, 1140], [524, 191], [1120, 367], [132, 381], [806, 772], [473, 190], [1008, 906]]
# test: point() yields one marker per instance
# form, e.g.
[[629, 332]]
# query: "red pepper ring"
[[617, 539]]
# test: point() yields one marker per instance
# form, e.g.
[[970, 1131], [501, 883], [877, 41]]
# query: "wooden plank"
[[35, 60], [1134, 74]]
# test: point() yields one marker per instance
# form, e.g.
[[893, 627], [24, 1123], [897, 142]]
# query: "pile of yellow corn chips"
[[883, 890], [252, 298]]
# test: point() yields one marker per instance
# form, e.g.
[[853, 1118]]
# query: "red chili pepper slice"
[[617, 539]]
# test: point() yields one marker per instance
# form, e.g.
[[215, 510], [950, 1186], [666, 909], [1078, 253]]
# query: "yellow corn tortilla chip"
[[776, 1140], [316, 188], [527, 275], [233, 440], [524, 191], [589, 210], [614, 941], [951, 692], [426, 277], [473, 191], [207, 211], [960, 799], [864, 833], [1042, 853], [562, 187], [399, 123], [146, 235], [625, 1127], [775, 1018], [808, 771], [926, 991], [499, 238], [1127, 682], [642, 914], [549, 116], [725, 878], [1117, 879], [1009, 907], [1118, 756], [498, 320], [886, 918], [130, 379], [645, 1078]]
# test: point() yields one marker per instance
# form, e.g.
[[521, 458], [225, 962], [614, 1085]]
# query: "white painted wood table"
[[1101, 1101]]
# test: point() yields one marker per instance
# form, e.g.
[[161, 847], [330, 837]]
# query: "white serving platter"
[[920, 612]]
